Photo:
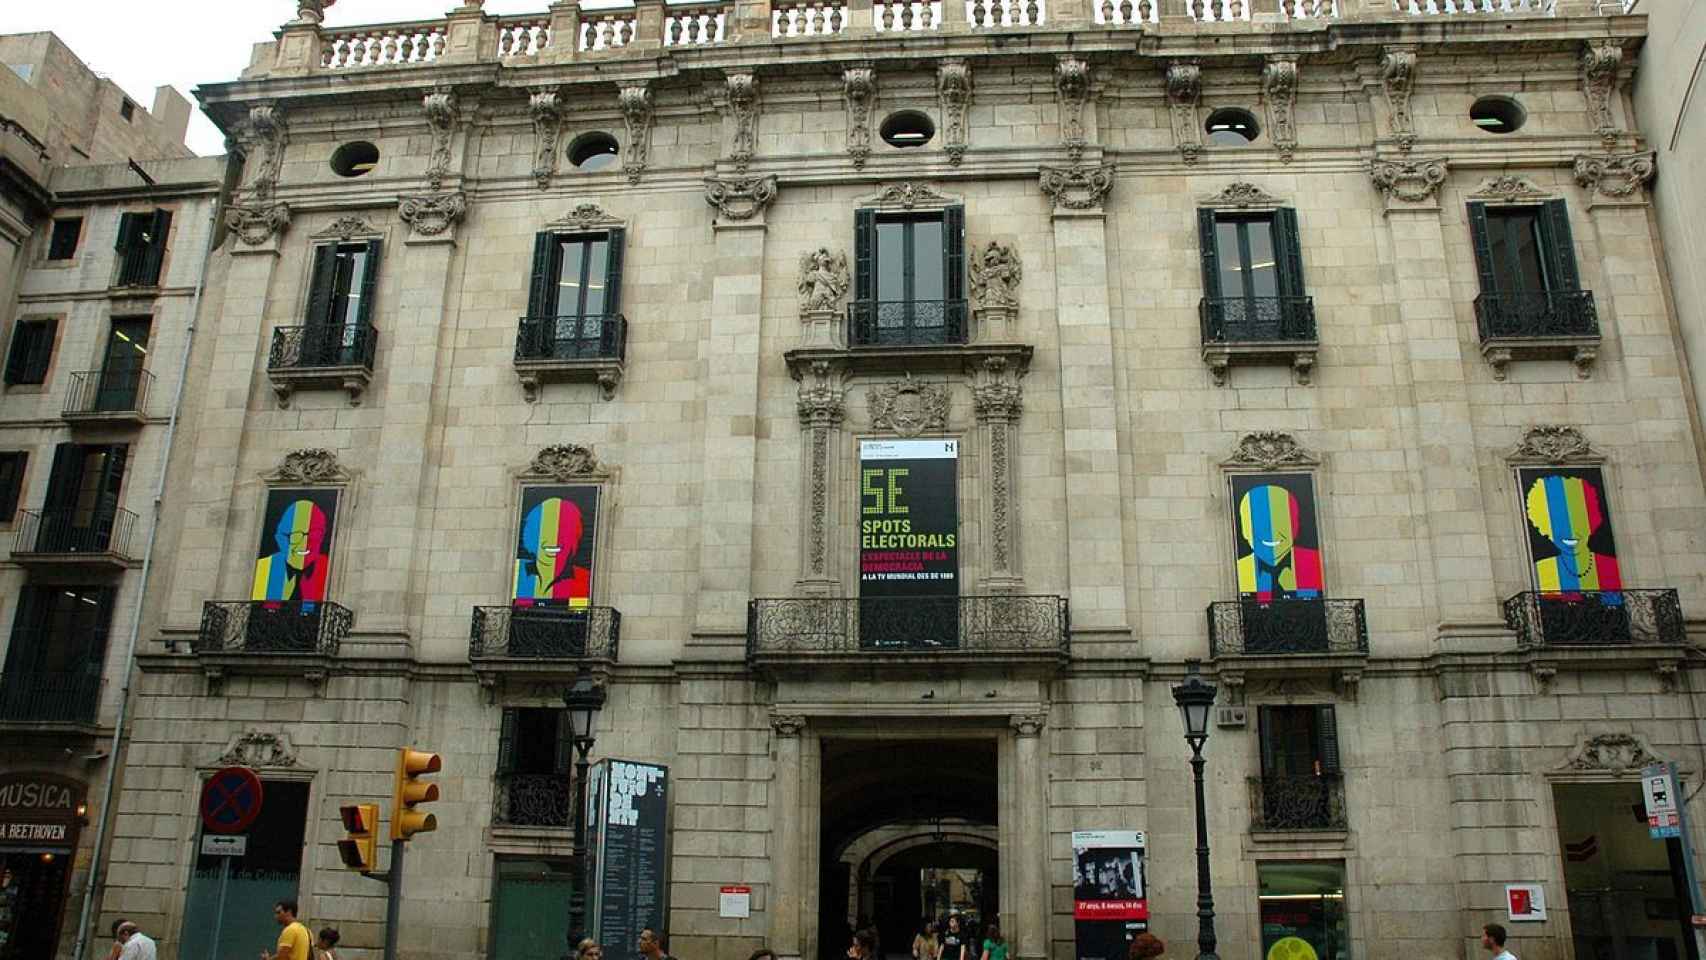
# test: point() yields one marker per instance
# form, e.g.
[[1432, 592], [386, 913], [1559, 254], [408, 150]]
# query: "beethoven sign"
[[39, 808]]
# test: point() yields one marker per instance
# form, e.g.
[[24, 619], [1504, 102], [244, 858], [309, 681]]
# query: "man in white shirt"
[[1493, 941], [131, 943]]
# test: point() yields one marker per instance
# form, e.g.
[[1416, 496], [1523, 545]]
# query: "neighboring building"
[[89, 119], [875, 409]]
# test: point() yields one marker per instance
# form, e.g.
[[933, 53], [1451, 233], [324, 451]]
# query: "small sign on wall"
[[1527, 902], [735, 902]]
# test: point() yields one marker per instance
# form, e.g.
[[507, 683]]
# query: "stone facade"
[[1098, 446]]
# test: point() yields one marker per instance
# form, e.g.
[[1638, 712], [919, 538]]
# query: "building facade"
[[886, 404]]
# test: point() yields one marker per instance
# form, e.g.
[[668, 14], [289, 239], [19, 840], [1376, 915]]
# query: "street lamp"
[[1195, 698], [584, 698]]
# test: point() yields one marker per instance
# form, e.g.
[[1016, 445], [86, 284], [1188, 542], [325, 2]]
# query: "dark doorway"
[[919, 817], [1627, 895], [121, 368], [33, 887], [268, 872]]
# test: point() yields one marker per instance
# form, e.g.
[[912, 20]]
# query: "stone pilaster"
[[821, 408], [786, 814], [997, 399], [1031, 899]]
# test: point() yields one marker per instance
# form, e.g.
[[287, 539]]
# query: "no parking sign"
[[230, 800]]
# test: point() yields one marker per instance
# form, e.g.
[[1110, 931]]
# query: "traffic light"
[[409, 791], [360, 849]]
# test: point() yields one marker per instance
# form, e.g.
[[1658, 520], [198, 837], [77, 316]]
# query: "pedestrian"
[[863, 946], [763, 953], [293, 941], [130, 943], [1146, 946], [327, 940], [1493, 941], [953, 946], [924, 945], [651, 945], [994, 944], [589, 949]]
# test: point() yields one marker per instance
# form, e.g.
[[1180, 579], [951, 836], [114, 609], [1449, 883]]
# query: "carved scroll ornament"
[[1410, 181], [1557, 444], [546, 108], [635, 100], [1072, 85], [1184, 89], [566, 461], [1617, 177], [1271, 450], [909, 407], [741, 198], [1279, 89], [1080, 187], [953, 87], [313, 465], [859, 85], [1397, 78]]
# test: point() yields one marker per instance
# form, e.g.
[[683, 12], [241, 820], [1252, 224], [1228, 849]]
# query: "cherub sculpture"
[[823, 279], [995, 275]]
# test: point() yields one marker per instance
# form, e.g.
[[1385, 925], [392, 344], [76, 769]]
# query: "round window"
[[1231, 128], [593, 151], [908, 128], [1498, 115], [355, 159]]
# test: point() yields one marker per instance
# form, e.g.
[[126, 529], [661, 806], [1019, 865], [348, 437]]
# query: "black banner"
[[628, 806], [908, 518], [1110, 899]]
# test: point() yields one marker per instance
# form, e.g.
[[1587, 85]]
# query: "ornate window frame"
[[1551, 445], [306, 468], [585, 219], [348, 228]]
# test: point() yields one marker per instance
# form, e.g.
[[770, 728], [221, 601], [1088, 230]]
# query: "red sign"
[[230, 800], [1110, 910]]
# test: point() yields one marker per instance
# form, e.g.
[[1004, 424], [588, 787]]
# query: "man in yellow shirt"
[[294, 942]]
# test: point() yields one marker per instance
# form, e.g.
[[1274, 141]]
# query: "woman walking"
[[994, 945], [953, 945], [924, 945]]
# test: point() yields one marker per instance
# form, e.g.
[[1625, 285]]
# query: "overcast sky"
[[141, 44]]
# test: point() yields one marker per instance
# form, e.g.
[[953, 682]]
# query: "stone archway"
[[866, 854]]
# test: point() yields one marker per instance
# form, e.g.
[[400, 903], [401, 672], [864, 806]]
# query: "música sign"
[[39, 809]]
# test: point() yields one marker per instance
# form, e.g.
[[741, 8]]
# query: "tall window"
[[81, 507], [1253, 276], [340, 304], [122, 365], [909, 286], [1526, 261], [12, 463], [58, 648], [141, 247], [32, 350], [535, 753], [1300, 766], [66, 232], [575, 299]]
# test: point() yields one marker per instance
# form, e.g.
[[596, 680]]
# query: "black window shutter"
[[1210, 254], [128, 223], [541, 292], [506, 743], [156, 254], [369, 283], [41, 350], [1266, 724], [1290, 252], [64, 479], [112, 476], [97, 649], [565, 742], [11, 484], [24, 338], [613, 272], [864, 254], [26, 621], [1482, 241], [1327, 738], [954, 247], [1560, 253], [320, 284]]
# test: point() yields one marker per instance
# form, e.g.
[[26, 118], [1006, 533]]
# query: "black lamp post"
[[584, 698], [1195, 698]]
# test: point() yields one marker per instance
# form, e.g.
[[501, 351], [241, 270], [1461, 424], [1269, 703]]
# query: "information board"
[[908, 518], [627, 814], [1658, 790], [1110, 900]]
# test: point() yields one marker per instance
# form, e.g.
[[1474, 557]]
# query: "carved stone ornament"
[[995, 275], [743, 107], [253, 748], [741, 198], [1617, 176], [635, 100], [787, 724], [1027, 724], [256, 223], [1279, 89], [1072, 85], [1079, 187], [1397, 79], [1184, 89], [266, 131], [909, 407], [909, 195], [1600, 62], [1271, 450], [1510, 189], [584, 216], [953, 89], [565, 461], [312, 465], [347, 228], [1554, 444], [430, 214], [859, 84], [312, 11], [440, 109], [824, 280], [820, 401], [1410, 181], [1242, 195], [1617, 753], [995, 391], [546, 108]]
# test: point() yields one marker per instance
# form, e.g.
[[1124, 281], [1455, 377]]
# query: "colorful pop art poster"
[[1110, 902], [1569, 530], [294, 561], [909, 518], [1276, 537], [554, 547]]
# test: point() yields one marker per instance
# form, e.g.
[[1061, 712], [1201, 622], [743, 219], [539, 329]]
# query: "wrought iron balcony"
[[72, 537], [1282, 803], [322, 355], [906, 323], [590, 348], [1258, 330], [544, 633], [1596, 619], [264, 628], [1560, 325], [27, 697], [532, 800], [1284, 628], [108, 396], [992, 627]]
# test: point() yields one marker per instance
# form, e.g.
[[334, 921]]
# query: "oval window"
[[908, 128], [593, 151], [355, 159], [1232, 128], [1498, 115]]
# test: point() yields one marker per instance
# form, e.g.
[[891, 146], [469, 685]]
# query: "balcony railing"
[[61, 532], [1319, 627], [49, 697], [544, 633], [317, 346], [1593, 618], [898, 323], [107, 393], [532, 800], [259, 627], [1258, 319], [1279, 803], [960, 626], [591, 337], [1562, 313]]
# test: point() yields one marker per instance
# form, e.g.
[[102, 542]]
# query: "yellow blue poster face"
[[1276, 537], [294, 560], [1570, 539], [554, 547]]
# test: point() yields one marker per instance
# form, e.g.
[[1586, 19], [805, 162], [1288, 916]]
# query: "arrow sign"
[[224, 844], [230, 800]]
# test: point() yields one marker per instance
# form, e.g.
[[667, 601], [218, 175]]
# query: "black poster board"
[[627, 814], [1110, 898], [909, 557]]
